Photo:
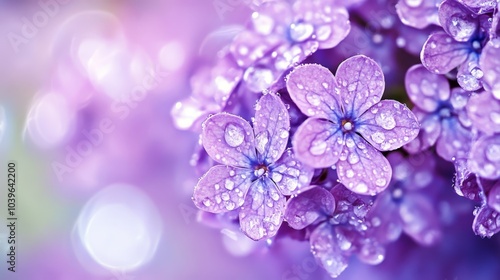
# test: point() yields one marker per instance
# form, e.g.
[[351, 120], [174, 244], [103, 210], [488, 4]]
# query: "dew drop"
[[361, 188], [234, 135], [380, 182], [318, 148], [229, 184], [349, 173], [261, 141], [207, 202], [300, 32], [378, 137], [493, 152], [495, 117], [230, 205], [385, 120], [313, 99]]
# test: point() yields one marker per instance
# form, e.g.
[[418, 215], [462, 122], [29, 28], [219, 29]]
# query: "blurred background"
[[103, 176]]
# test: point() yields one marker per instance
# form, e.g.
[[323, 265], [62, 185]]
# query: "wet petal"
[[361, 83], [487, 222], [222, 189], [313, 88], [484, 111], [229, 139], [457, 21], [430, 129], [318, 143], [479, 6], [425, 89], [271, 126], [290, 175], [388, 125], [262, 213], [484, 157], [272, 16], [490, 65], [361, 168], [420, 220], [418, 14], [441, 54], [326, 250], [454, 141], [248, 47], [309, 207]]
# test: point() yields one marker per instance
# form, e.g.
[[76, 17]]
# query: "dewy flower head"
[[441, 112], [348, 123], [258, 170], [460, 45], [338, 226]]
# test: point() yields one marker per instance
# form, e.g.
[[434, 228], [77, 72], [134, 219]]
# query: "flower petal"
[[318, 143], [388, 125], [326, 250], [454, 141], [425, 89], [222, 189], [290, 175], [494, 196], [229, 139], [309, 207], [384, 218], [361, 84], [484, 111], [262, 213], [479, 6], [457, 21], [484, 157], [441, 54], [313, 89], [361, 168], [271, 127], [487, 222], [490, 65], [430, 129], [469, 75], [420, 220], [418, 16], [331, 25]]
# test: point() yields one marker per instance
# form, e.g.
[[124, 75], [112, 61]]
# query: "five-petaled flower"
[[257, 171], [348, 123]]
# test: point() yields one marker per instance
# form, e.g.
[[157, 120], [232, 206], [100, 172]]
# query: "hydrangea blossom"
[[460, 45], [348, 124], [409, 204], [338, 226], [284, 34], [257, 168], [441, 112]]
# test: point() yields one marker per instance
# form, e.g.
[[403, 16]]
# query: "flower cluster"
[[290, 149]]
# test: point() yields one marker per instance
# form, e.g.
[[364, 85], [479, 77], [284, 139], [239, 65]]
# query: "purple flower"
[[484, 158], [490, 64], [418, 13], [459, 46], [348, 124], [487, 192], [441, 113], [410, 202], [338, 227], [479, 6], [257, 168], [283, 34]]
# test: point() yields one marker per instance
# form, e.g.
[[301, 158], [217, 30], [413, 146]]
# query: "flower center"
[[347, 125], [260, 170]]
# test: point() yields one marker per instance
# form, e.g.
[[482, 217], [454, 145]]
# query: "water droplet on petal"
[[229, 184], [378, 137], [207, 202], [493, 152], [234, 135], [300, 32], [313, 99], [318, 148]]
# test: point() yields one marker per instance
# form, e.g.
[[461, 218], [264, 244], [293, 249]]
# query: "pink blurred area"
[[86, 90]]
